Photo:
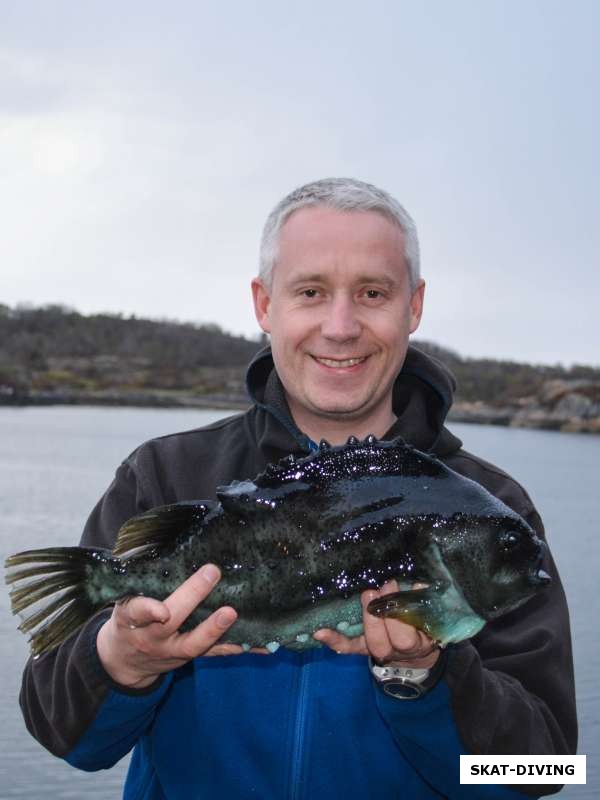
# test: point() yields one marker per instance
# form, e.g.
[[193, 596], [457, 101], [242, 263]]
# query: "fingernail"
[[225, 617], [210, 573]]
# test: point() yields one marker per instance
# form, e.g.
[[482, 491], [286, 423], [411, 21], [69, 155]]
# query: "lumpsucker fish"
[[297, 545]]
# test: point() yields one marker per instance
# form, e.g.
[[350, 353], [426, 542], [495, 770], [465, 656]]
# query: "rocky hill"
[[55, 354], [562, 405], [512, 393]]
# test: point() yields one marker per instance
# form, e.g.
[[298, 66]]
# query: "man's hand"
[[387, 641], [141, 640]]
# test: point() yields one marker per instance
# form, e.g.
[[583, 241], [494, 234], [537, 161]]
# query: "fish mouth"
[[339, 363], [536, 577], [539, 578]]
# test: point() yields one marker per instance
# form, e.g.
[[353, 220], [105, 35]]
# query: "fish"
[[297, 545]]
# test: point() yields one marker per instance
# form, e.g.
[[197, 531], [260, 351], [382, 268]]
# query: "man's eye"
[[309, 292], [373, 294]]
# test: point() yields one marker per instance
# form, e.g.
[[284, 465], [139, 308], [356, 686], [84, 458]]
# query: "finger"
[[138, 612], [199, 640], [235, 649], [407, 640], [225, 650], [191, 593], [391, 639], [422, 647], [340, 643], [377, 639]]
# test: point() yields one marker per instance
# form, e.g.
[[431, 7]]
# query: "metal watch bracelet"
[[407, 683]]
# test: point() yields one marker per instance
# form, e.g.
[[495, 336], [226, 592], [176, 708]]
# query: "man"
[[339, 292]]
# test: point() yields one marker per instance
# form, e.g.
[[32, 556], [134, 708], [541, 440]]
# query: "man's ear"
[[416, 305], [262, 304]]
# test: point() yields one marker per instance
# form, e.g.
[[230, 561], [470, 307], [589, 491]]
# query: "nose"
[[341, 322]]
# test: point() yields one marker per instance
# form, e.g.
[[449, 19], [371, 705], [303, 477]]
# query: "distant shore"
[[482, 414], [54, 355], [159, 398], [560, 408]]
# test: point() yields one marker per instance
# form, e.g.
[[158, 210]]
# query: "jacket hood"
[[422, 395]]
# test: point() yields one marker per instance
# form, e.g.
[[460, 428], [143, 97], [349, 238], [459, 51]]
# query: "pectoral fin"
[[417, 607], [160, 528]]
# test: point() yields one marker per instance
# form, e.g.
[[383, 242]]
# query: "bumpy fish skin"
[[298, 545]]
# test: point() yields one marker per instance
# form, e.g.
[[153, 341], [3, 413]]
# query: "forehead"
[[326, 239]]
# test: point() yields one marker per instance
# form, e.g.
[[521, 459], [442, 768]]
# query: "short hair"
[[343, 194]]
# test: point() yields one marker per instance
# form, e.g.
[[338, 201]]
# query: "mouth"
[[340, 363]]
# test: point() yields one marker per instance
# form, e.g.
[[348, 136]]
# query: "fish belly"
[[296, 631]]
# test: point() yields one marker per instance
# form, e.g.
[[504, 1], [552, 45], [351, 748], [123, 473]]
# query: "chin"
[[341, 409]]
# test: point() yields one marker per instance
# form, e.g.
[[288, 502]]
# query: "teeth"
[[348, 362]]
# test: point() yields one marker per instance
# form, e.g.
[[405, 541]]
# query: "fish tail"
[[36, 576]]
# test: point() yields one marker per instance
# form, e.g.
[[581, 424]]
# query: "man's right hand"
[[141, 640]]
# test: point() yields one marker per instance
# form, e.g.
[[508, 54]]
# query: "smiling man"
[[339, 306], [381, 714]]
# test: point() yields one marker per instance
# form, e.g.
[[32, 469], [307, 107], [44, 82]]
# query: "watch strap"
[[406, 682]]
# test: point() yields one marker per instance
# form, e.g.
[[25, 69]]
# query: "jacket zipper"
[[299, 736]]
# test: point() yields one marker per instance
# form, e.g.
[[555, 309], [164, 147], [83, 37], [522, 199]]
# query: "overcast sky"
[[142, 145]]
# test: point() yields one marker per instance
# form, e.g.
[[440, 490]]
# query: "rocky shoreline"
[[568, 406], [143, 398], [571, 406]]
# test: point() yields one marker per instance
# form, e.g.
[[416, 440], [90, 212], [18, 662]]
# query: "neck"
[[336, 430]]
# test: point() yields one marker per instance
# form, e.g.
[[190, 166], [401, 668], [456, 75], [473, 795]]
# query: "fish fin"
[[240, 498], [412, 606], [58, 569], [355, 459], [159, 528]]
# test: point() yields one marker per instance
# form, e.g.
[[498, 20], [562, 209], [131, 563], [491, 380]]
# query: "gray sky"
[[142, 145]]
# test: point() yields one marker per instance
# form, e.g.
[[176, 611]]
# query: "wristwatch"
[[407, 683]]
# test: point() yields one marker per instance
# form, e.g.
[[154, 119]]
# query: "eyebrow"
[[307, 277], [316, 277]]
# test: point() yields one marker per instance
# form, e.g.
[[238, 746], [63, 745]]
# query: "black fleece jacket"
[[512, 685]]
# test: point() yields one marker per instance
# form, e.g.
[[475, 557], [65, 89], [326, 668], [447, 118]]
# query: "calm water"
[[55, 463]]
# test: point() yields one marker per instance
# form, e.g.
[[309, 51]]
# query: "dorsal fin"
[[355, 459], [160, 528]]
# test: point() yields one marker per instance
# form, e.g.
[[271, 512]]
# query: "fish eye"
[[510, 539]]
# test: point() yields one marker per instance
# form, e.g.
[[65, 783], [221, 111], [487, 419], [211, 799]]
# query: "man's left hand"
[[387, 641]]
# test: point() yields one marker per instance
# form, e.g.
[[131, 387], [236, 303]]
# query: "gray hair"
[[343, 194]]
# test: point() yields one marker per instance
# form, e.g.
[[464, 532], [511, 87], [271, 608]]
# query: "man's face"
[[339, 311]]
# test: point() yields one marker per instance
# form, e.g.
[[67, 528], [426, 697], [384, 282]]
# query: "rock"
[[560, 405], [480, 412]]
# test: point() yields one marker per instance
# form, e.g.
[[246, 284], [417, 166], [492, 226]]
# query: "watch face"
[[402, 689]]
